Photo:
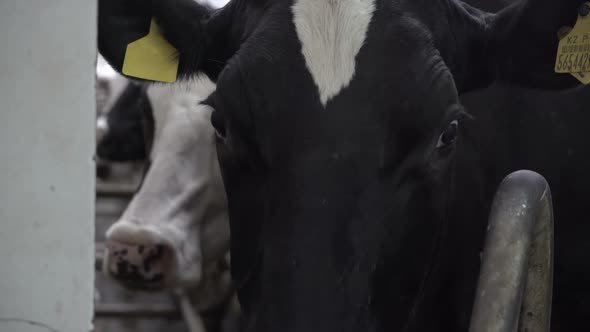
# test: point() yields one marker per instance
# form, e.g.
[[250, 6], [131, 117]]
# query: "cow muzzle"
[[150, 257], [141, 266]]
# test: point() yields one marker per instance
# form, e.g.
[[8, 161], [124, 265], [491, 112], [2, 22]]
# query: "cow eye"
[[218, 122], [449, 136]]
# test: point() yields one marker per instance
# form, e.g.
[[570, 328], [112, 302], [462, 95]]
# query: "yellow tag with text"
[[151, 57], [573, 53]]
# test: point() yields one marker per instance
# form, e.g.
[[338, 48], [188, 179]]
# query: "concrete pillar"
[[47, 110]]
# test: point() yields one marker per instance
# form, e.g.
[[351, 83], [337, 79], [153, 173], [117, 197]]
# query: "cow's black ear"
[[197, 32], [518, 44]]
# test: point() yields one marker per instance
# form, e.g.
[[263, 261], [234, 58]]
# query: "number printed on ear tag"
[[573, 53], [151, 57]]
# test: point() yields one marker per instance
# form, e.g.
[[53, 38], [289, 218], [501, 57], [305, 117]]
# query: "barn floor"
[[118, 309]]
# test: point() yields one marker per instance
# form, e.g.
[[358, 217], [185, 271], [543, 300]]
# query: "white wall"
[[47, 61]]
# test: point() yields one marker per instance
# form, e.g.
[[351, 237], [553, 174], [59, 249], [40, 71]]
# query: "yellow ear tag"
[[151, 57], [573, 53]]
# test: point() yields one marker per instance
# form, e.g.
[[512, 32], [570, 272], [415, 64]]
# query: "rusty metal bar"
[[516, 280], [115, 190], [136, 309]]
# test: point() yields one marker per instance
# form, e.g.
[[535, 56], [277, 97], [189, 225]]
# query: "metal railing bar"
[[136, 309], [515, 285]]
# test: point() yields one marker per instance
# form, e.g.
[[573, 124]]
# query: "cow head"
[[175, 230], [338, 129]]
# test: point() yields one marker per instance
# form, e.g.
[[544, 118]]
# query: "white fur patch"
[[332, 33], [169, 99]]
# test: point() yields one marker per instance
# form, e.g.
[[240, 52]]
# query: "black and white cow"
[[109, 85], [175, 231], [358, 185]]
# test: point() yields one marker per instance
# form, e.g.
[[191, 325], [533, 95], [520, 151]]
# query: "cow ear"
[[169, 39], [519, 44]]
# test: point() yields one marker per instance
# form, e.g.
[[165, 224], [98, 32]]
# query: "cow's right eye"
[[449, 136], [218, 122]]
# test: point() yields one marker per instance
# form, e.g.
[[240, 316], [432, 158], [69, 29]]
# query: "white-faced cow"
[[358, 186], [175, 231]]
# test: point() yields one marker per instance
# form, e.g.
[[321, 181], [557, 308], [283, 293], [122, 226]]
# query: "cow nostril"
[[138, 266]]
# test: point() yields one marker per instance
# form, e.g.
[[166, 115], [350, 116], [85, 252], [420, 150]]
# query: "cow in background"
[[122, 132], [119, 135], [181, 202], [174, 234], [121, 110]]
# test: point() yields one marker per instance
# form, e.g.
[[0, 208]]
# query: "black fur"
[[125, 139], [350, 217]]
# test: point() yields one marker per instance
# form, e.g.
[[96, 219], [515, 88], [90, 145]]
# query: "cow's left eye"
[[449, 136]]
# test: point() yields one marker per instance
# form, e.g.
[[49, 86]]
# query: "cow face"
[[335, 179], [175, 229], [338, 125]]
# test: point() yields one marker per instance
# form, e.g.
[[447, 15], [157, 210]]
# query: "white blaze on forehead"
[[103, 69], [332, 33]]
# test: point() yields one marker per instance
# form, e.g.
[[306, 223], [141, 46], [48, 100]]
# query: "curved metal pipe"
[[516, 279]]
